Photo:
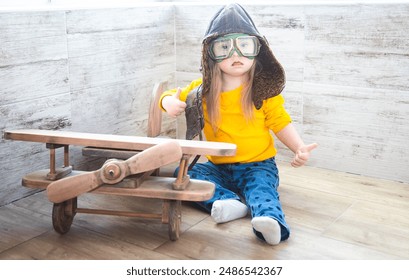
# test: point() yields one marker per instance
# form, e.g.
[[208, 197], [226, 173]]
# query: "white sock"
[[228, 210], [269, 228]]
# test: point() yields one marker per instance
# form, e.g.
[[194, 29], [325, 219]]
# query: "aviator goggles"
[[243, 44]]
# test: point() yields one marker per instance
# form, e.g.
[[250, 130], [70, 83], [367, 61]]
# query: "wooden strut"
[[182, 179], [118, 213], [58, 173], [164, 216]]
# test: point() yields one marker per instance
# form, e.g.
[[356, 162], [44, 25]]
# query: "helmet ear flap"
[[194, 113]]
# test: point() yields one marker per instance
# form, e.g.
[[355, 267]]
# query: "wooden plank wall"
[[80, 70], [92, 70], [356, 88], [347, 78]]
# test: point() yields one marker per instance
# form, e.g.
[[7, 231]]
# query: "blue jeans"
[[255, 182]]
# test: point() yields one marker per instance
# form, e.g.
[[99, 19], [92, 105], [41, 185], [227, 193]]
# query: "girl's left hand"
[[303, 154]]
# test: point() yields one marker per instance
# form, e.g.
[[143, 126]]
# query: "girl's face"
[[236, 65]]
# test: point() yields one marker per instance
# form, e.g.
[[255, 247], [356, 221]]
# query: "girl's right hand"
[[173, 105]]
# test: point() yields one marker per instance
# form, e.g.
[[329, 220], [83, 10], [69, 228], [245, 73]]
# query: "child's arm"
[[173, 101], [290, 137], [173, 105]]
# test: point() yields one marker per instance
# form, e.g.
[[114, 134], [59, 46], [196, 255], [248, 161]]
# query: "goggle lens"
[[223, 48]]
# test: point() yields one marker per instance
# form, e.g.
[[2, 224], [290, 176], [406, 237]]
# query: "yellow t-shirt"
[[253, 139]]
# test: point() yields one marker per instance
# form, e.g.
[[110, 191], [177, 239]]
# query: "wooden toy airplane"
[[130, 177]]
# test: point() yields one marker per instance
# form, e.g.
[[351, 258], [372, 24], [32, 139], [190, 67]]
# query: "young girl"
[[241, 86]]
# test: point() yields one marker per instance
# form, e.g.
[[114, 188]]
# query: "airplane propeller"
[[114, 171]]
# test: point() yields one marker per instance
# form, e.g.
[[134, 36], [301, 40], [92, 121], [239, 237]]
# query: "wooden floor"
[[332, 215]]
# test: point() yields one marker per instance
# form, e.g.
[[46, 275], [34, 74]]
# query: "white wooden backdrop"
[[80, 70], [92, 70]]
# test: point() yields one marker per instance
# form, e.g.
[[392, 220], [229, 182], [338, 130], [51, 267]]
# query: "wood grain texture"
[[358, 45], [190, 29], [386, 229], [85, 243], [284, 28], [152, 187], [92, 70], [189, 147], [114, 65], [27, 82], [19, 224], [34, 89], [104, 49], [332, 216], [52, 112], [28, 37], [346, 69], [367, 125]]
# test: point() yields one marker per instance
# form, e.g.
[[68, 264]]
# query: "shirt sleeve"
[[276, 116], [183, 94]]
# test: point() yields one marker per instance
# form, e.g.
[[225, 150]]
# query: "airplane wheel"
[[63, 215], [175, 215]]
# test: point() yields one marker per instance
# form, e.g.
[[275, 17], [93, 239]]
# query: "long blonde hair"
[[213, 97]]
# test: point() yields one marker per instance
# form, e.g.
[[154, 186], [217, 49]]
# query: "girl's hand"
[[303, 154], [172, 104]]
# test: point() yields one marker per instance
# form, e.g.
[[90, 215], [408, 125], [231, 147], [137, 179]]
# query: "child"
[[241, 86]]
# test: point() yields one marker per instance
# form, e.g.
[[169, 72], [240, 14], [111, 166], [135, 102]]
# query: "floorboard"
[[332, 215]]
